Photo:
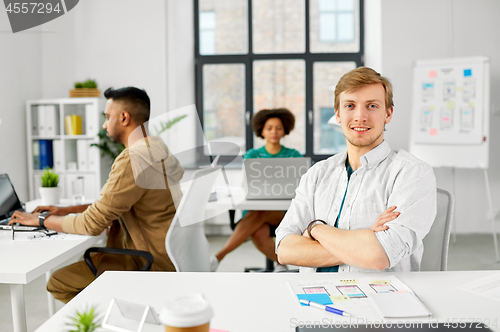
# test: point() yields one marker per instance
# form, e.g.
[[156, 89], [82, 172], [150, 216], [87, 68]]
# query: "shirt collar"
[[376, 155], [341, 161], [371, 158]]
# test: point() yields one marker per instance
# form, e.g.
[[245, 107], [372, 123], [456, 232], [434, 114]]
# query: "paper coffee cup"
[[188, 313]]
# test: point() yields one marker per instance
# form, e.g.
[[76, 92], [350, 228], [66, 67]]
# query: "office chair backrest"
[[435, 257], [186, 244]]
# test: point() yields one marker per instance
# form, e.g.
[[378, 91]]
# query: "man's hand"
[[385, 217], [54, 210], [24, 218], [306, 234]]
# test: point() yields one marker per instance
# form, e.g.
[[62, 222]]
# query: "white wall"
[[19, 80], [428, 29], [116, 42], [180, 80], [373, 34]]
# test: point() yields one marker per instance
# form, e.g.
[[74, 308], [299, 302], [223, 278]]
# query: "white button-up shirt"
[[386, 178]]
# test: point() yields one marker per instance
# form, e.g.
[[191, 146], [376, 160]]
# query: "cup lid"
[[186, 311]]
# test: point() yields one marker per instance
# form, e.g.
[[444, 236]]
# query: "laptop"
[[9, 203], [274, 178]]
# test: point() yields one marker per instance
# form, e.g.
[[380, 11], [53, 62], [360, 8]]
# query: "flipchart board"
[[450, 112]]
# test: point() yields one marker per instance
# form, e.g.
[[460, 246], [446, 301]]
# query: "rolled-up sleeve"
[[299, 215], [414, 195]]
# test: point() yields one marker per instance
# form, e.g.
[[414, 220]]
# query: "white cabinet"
[[71, 156]]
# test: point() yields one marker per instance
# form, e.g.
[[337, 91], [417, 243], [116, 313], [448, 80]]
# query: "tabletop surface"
[[22, 261], [264, 301]]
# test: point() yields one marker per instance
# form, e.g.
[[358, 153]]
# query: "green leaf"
[[166, 125], [90, 84], [85, 321], [49, 178]]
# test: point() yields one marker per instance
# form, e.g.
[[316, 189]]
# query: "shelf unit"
[[66, 148]]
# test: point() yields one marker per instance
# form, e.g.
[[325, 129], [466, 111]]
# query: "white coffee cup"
[[190, 313]]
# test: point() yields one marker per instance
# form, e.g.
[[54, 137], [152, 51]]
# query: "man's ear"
[[388, 115], [337, 116], [125, 118]]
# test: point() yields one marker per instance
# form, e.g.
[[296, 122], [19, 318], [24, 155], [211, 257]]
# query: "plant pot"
[[82, 93], [50, 195]]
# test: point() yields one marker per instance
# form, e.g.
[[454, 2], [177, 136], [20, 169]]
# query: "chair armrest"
[[144, 254]]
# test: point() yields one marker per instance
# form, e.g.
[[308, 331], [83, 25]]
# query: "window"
[[207, 33], [336, 21], [255, 54]]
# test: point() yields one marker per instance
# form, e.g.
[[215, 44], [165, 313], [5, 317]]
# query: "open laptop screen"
[[9, 202]]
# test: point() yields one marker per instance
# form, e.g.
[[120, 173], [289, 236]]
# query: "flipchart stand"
[[450, 118]]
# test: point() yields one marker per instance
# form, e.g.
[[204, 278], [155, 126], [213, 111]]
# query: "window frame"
[[250, 57]]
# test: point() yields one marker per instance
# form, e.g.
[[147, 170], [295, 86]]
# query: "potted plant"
[[85, 322], [85, 89], [49, 191]]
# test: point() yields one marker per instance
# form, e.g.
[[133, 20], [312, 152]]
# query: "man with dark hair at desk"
[[367, 208], [136, 203]]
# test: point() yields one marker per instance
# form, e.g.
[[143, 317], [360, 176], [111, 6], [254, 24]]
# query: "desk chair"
[[435, 257], [186, 244], [118, 251]]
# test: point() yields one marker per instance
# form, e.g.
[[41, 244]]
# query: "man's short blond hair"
[[360, 77]]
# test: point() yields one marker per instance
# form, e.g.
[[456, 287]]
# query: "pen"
[[325, 307]]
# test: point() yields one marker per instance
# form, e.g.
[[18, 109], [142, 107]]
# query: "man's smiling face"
[[362, 114]]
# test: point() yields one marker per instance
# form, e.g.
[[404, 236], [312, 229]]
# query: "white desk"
[[237, 201], [22, 262], [263, 302]]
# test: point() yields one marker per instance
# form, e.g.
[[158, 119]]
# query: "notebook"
[[9, 203], [274, 178], [399, 305]]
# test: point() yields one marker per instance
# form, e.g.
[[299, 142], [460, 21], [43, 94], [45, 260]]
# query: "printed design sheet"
[[345, 293]]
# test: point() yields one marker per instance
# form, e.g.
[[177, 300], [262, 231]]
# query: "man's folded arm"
[[299, 250], [359, 248]]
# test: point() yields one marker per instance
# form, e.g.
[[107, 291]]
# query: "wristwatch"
[[41, 218]]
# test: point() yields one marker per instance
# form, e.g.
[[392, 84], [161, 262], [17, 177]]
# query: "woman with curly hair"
[[271, 125]]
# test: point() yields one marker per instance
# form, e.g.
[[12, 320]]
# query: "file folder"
[[82, 154]]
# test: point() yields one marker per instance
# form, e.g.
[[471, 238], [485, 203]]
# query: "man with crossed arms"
[[365, 209]]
